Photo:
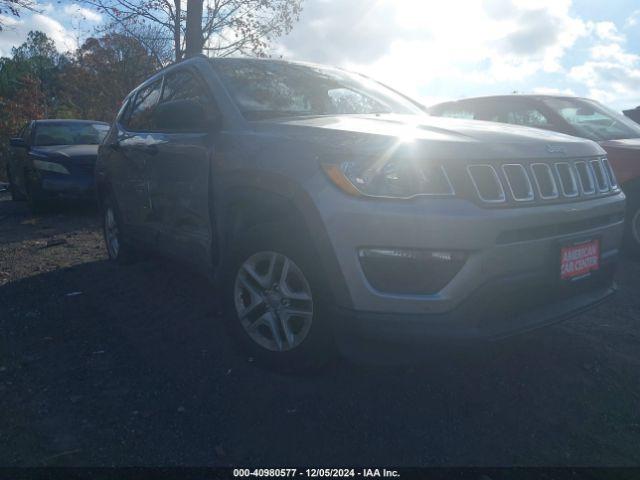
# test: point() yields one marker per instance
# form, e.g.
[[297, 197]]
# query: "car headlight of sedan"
[[50, 167], [393, 178]]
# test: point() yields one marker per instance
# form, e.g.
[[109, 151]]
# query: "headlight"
[[50, 167], [402, 178]]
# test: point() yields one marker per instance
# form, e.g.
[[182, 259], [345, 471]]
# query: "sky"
[[441, 50]]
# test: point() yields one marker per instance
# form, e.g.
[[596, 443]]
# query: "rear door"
[[133, 151], [180, 171]]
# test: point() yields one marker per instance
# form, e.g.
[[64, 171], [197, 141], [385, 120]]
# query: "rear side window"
[[144, 104]]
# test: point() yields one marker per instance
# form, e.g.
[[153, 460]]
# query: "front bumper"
[[500, 309], [508, 284]]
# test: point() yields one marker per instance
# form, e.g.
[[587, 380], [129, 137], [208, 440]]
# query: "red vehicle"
[[580, 117]]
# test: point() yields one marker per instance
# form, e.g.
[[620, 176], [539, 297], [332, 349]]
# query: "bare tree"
[[14, 7], [228, 26]]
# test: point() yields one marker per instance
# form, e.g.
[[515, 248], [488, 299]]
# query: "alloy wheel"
[[273, 301]]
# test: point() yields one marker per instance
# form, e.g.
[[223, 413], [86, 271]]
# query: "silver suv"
[[326, 207]]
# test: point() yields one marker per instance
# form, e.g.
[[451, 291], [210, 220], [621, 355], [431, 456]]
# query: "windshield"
[[264, 89], [593, 120], [67, 133]]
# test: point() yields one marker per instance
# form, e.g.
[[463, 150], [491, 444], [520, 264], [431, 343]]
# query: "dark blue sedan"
[[54, 159]]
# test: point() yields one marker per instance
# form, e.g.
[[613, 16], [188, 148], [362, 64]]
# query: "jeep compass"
[[325, 206]]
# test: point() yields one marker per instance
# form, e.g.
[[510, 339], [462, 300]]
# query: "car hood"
[[441, 137], [625, 143], [82, 154]]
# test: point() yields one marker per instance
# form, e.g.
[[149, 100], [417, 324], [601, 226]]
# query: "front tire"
[[275, 299]]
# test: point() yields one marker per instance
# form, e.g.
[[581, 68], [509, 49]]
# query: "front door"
[[180, 171]]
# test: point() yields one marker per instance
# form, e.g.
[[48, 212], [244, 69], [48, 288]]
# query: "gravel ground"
[[103, 365]]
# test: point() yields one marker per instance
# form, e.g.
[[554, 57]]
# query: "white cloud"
[[494, 46], [17, 29], [66, 26], [408, 43], [554, 91], [611, 74], [608, 76], [633, 19], [608, 31], [614, 52]]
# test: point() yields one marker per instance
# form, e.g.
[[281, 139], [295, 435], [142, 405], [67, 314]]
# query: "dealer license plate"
[[579, 260]]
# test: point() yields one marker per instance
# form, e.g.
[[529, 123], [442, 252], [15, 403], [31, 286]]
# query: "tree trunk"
[[177, 44], [194, 28]]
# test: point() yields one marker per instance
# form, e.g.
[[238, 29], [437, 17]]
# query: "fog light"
[[410, 272]]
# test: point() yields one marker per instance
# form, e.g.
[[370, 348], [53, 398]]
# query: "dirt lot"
[[103, 365]]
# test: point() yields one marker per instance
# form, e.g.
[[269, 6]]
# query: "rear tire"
[[275, 299], [118, 249]]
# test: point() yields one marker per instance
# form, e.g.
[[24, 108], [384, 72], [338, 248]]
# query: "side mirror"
[[184, 116], [18, 142]]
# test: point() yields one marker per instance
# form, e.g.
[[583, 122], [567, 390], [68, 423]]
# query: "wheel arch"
[[248, 206]]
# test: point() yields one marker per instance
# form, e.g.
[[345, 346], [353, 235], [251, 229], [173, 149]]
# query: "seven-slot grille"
[[521, 183]]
